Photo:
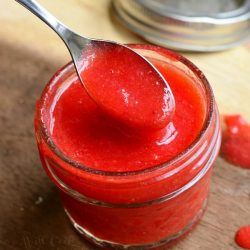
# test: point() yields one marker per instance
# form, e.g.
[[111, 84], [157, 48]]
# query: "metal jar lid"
[[192, 25]]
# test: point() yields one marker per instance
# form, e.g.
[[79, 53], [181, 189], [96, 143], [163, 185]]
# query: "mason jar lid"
[[192, 25]]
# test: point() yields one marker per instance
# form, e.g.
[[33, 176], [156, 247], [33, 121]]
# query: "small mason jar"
[[144, 209]]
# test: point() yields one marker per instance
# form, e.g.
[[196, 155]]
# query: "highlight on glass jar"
[[128, 189]]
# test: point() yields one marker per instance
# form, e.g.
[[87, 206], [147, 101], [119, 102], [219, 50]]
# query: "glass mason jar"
[[144, 209]]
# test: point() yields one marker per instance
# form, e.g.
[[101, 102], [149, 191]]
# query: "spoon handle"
[[46, 17]]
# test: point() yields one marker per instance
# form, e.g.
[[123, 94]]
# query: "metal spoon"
[[79, 46]]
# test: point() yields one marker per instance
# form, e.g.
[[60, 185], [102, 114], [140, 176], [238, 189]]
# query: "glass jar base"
[[162, 244]]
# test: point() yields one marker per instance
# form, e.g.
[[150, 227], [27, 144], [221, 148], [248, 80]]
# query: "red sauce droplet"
[[242, 237], [126, 87], [235, 146]]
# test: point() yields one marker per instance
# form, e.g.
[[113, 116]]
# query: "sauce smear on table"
[[235, 146]]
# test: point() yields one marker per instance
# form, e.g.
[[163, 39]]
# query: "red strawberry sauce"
[[119, 182], [126, 87], [86, 134], [242, 237], [235, 146]]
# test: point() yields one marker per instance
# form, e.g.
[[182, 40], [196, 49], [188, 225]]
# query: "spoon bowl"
[[82, 49]]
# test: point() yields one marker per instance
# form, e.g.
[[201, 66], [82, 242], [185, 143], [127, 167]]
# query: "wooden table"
[[31, 216]]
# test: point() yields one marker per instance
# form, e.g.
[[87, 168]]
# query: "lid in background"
[[192, 25]]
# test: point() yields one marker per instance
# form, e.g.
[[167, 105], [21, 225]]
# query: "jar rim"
[[208, 119]]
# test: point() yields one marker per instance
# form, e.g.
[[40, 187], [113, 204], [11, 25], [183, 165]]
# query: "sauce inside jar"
[[86, 134]]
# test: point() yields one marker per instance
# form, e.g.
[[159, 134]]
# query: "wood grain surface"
[[31, 215]]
